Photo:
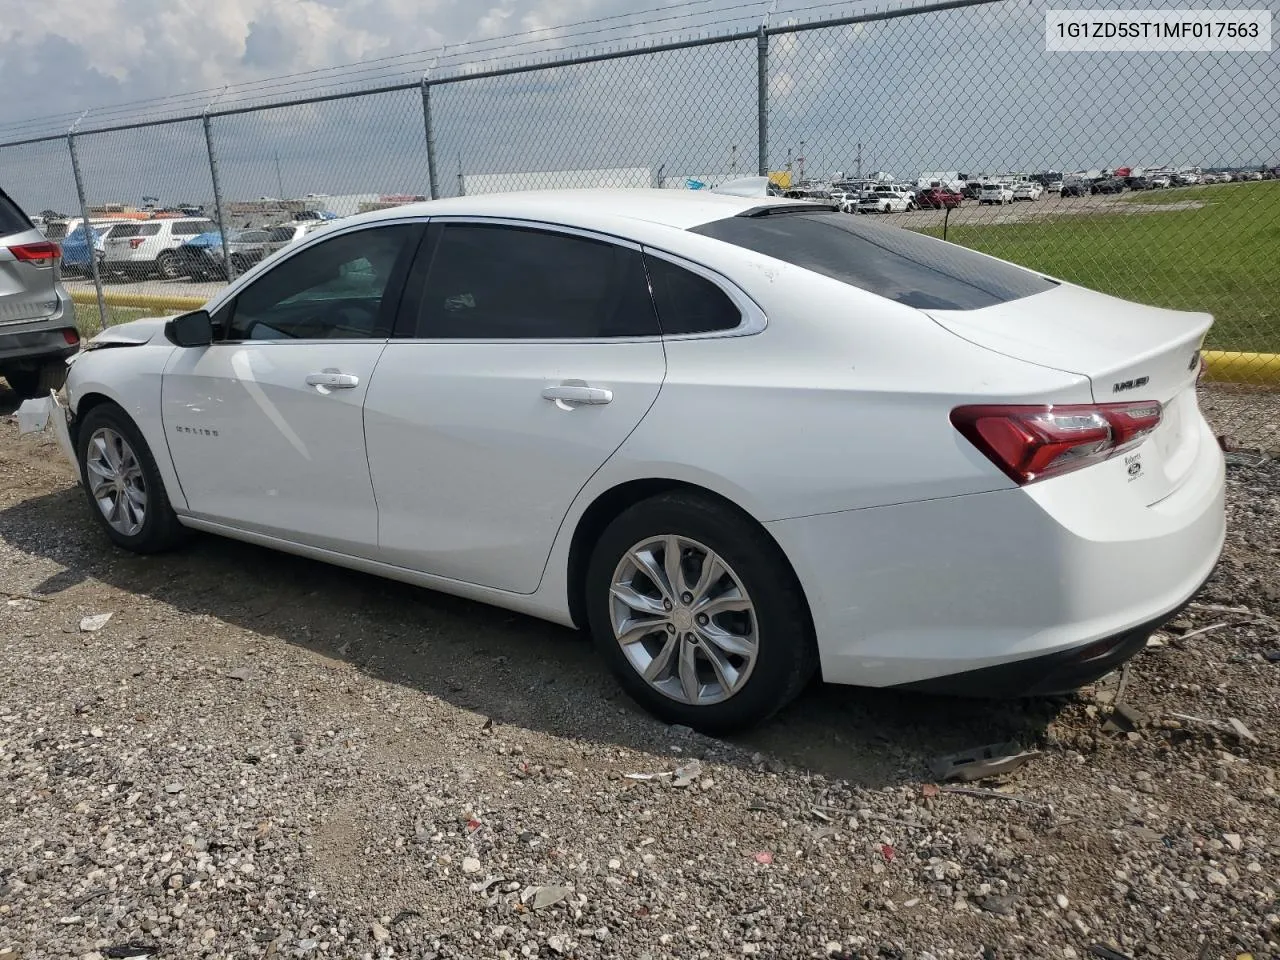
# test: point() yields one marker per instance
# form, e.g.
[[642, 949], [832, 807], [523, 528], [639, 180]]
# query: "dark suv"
[[37, 319]]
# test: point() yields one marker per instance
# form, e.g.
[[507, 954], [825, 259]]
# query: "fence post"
[[762, 98], [430, 130], [89, 236], [217, 198]]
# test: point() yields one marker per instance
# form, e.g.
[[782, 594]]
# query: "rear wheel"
[[698, 614], [37, 382], [168, 266], [125, 490]]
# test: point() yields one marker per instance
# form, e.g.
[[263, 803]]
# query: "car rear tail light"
[[41, 253], [135, 242], [70, 335], [1031, 443]]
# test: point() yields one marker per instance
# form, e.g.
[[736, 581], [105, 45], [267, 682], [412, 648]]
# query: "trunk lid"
[[1129, 352]]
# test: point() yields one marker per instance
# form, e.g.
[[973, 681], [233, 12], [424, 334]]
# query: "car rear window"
[[126, 230], [894, 263], [12, 219]]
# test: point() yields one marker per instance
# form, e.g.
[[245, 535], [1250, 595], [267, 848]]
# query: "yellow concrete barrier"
[[1232, 366], [145, 301]]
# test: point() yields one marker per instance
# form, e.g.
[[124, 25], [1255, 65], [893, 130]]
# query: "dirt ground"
[[262, 756]]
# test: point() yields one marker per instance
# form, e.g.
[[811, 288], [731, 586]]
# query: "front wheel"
[[698, 613], [123, 484]]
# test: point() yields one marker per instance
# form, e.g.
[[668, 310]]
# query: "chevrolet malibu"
[[740, 440]]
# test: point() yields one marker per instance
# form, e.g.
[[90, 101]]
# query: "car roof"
[[588, 208]]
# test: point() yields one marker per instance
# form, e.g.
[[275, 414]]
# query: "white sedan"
[[739, 440], [1028, 190]]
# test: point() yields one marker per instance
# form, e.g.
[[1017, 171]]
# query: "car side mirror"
[[193, 329]]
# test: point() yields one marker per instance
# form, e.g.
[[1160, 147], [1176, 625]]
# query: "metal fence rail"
[[961, 87]]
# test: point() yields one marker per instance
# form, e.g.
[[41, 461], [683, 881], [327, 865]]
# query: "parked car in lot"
[[202, 256], [1187, 178], [1159, 182], [149, 248], [1076, 187], [1054, 186], [972, 190], [1137, 183], [1027, 190], [996, 193], [506, 397], [75, 246], [882, 199], [37, 319], [938, 198], [1108, 185]]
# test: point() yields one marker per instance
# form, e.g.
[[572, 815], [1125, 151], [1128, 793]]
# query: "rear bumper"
[[31, 343], [1053, 673], [926, 595]]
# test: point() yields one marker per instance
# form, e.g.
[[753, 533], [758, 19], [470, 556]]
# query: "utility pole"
[[279, 179], [801, 160], [462, 189], [733, 160], [859, 161]]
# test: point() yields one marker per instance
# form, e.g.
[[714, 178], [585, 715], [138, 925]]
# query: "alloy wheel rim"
[[684, 620], [116, 482]]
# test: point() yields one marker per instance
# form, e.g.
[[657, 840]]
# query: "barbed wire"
[[460, 58]]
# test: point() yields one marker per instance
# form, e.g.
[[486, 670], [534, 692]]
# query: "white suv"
[[150, 247], [995, 193]]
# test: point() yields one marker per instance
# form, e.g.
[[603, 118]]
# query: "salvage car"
[[740, 440]]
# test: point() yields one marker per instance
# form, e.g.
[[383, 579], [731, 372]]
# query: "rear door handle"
[[333, 380], [577, 392]]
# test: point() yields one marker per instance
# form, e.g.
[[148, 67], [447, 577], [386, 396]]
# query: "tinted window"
[[504, 282], [250, 236], [280, 235], [12, 219], [149, 230], [898, 264], [191, 228], [127, 230], [688, 303], [331, 291], [55, 231]]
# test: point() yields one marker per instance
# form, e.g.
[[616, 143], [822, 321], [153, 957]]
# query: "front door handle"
[[333, 380], [576, 392]]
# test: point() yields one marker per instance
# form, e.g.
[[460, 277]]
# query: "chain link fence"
[[1151, 176]]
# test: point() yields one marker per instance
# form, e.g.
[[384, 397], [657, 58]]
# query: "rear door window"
[[493, 281], [900, 265], [190, 228]]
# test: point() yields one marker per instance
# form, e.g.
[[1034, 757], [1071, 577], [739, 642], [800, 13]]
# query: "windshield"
[[898, 264]]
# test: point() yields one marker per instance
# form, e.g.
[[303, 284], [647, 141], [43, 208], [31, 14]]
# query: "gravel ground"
[[260, 756]]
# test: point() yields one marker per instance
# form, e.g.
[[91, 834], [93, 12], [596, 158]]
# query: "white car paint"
[[883, 199], [995, 193], [825, 418], [1028, 190]]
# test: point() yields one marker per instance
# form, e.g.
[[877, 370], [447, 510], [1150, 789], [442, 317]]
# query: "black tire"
[[160, 529], [29, 384], [786, 654], [168, 267]]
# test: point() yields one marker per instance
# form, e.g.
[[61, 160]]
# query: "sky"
[[968, 90]]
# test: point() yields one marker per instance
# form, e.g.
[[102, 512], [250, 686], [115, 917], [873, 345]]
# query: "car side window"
[[688, 303], [492, 281], [334, 290]]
